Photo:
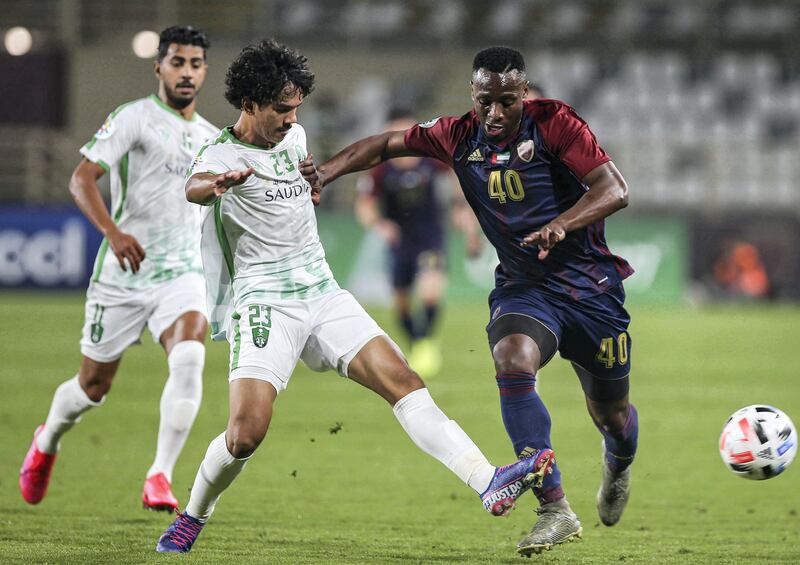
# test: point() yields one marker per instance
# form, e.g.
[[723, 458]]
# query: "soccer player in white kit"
[[148, 270], [272, 295]]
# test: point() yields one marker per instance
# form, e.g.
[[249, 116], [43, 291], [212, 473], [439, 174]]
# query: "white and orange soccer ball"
[[758, 442]]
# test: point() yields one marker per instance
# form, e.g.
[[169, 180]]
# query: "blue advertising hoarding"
[[46, 247]]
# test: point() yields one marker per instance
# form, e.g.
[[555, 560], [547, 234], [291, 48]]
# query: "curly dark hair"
[[499, 60], [262, 71], [182, 35]]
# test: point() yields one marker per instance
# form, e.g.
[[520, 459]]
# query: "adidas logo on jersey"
[[476, 156]]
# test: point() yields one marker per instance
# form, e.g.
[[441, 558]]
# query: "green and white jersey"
[[148, 147], [260, 237]]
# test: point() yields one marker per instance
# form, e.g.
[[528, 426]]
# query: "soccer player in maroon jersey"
[[540, 186]]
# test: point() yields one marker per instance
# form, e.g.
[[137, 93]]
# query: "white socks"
[[216, 473], [422, 420], [69, 402], [435, 434], [180, 402]]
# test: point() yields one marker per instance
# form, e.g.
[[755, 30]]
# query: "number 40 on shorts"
[[613, 350]]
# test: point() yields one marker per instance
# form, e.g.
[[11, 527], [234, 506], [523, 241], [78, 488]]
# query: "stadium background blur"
[[698, 103]]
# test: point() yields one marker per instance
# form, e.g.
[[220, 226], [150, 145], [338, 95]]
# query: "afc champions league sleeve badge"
[[525, 150], [106, 129]]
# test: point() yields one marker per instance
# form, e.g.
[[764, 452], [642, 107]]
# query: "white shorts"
[[116, 316], [268, 336]]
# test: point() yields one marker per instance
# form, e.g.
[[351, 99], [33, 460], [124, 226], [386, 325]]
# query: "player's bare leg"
[[517, 359], [431, 284], [380, 367], [251, 402], [71, 399], [183, 343], [95, 377], [191, 326], [618, 422]]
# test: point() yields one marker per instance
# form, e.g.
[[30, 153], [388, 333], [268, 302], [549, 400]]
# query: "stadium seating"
[[698, 104]]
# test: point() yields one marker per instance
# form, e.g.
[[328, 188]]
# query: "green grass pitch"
[[366, 494]]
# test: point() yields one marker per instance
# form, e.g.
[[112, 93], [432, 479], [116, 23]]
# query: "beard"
[[177, 100]]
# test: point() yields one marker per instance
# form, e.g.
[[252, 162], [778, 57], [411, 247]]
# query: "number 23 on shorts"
[[260, 321]]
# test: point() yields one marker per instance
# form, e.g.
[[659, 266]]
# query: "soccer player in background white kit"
[[274, 297], [153, 273]]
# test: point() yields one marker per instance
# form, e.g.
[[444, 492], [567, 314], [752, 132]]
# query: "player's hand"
[[545, 238], [313, 177], [389, 231], [232, 178], [126, 248]]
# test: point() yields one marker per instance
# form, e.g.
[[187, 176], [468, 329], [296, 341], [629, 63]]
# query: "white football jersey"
[[260, 237], [148, 147]]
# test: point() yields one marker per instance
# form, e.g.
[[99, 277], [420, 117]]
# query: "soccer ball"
[[758, 442]]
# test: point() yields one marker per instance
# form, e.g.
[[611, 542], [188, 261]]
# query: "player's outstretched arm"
[[359, 156], [608, 192], [86, 193], [205, 188]]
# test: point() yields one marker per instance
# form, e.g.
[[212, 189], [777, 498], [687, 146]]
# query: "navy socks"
[[421, 325], [621, 445], [527, 423]]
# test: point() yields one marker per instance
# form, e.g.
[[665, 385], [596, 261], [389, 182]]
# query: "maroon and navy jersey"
[[520, 184], [409, 197]]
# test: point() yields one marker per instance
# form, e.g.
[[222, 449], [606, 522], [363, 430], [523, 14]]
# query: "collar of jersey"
[[172, 111], [228, 132]]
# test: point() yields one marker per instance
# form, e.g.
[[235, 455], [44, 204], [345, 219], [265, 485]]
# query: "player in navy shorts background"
[[540, 186], [406, 201]]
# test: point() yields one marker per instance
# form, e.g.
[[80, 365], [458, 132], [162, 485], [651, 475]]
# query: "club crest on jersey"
[[525, 150], [260, 337], [429, 123]]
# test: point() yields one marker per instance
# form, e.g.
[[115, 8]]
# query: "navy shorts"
[[591, 333], [406, 261]]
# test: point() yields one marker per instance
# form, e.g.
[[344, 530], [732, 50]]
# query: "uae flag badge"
[[525, 150], [500, 158]]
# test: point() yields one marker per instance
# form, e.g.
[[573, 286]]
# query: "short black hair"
[[262, 71], [182, 35], [499, 60]]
